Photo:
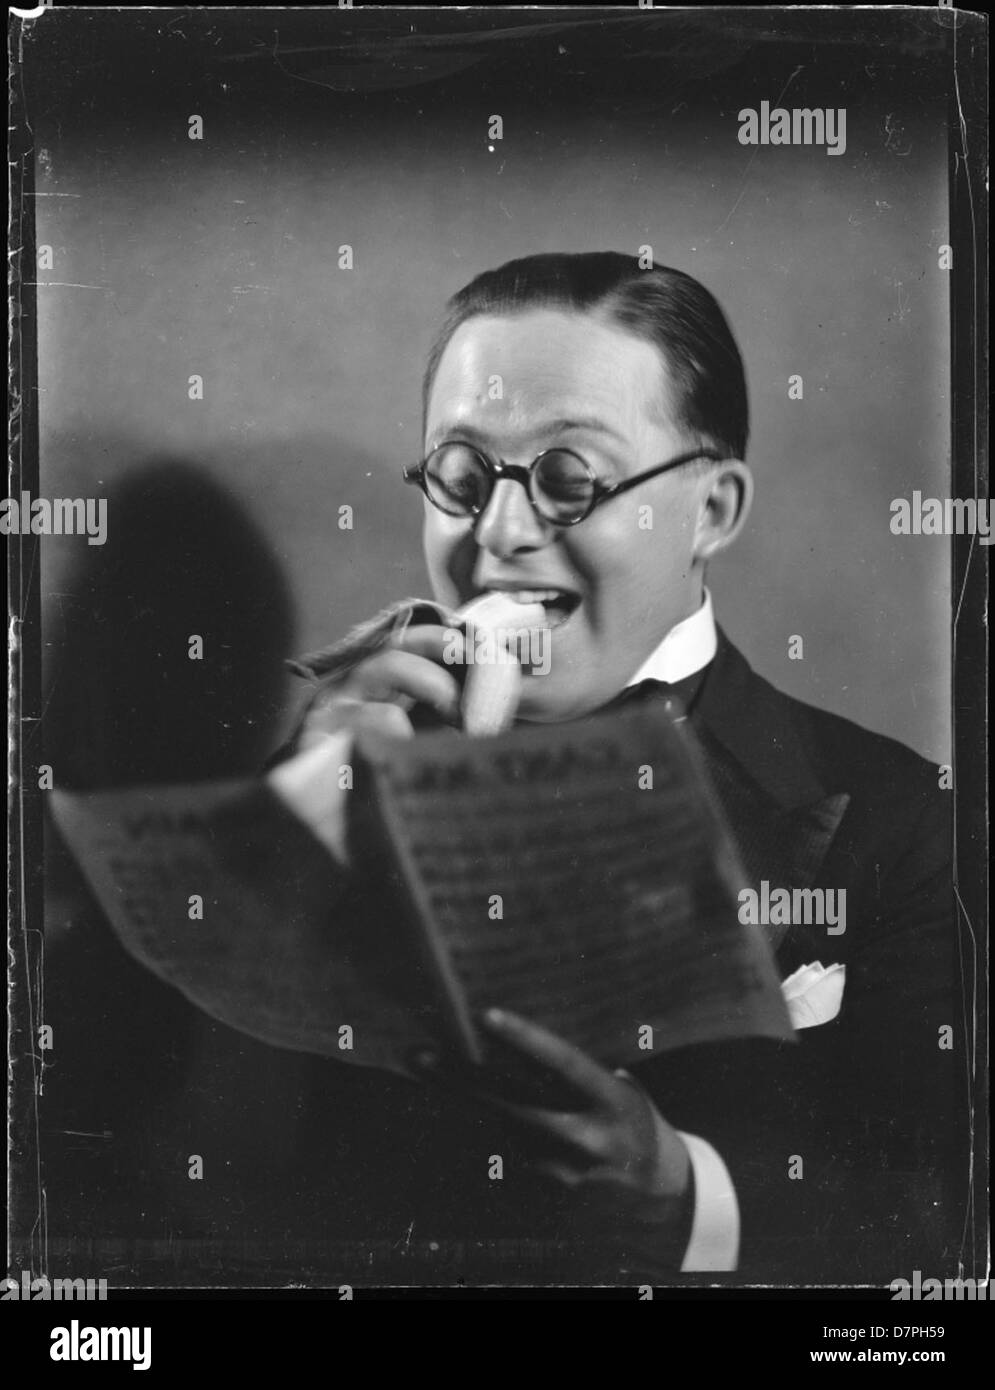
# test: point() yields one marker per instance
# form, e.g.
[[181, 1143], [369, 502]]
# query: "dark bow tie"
[[674, 698]]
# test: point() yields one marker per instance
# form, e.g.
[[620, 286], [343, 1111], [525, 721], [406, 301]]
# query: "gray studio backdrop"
[[219, 258]]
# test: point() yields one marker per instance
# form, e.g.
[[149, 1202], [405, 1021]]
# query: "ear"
[[725, 500]]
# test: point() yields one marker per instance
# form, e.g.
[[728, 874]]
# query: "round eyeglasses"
[[562, 487]]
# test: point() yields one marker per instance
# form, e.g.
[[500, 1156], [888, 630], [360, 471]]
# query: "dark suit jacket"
[[846, 1148], [871, 1101]]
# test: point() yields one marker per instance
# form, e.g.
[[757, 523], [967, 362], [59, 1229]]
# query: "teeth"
[[536, 595]]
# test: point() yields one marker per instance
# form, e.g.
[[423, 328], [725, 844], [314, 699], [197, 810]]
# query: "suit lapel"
[[780, 812]]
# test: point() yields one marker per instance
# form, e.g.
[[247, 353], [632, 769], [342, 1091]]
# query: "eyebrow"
[[551, 427]]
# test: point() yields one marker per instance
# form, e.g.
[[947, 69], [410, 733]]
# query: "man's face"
[[576, 381]]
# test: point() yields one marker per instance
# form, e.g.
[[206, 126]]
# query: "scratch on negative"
[[67, 285], [749, 165]]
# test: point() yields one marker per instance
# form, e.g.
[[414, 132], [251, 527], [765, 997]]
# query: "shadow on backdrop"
[[126, 704]]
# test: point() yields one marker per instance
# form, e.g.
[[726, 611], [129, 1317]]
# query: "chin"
[[543, 703]]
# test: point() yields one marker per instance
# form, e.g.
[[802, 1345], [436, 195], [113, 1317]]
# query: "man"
[[825, 1160], [569, 400]]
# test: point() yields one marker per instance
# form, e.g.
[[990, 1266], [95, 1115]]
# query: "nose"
[[509, 523]]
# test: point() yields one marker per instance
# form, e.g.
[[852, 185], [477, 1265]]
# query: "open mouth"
[[559, 604]]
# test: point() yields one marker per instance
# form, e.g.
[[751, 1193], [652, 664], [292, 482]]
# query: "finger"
[[579, 1132], [352, 716], [610, 1183], [444, 645], [469, 1080], [383, 718], [603, 1184], [561, 1172], [395, 674], [556, 1053], [574, 1132]]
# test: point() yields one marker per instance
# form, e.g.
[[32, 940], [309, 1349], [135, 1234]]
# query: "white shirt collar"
[[687, 648]]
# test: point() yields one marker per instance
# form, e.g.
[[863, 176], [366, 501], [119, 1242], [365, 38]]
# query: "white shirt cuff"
[[714, 1243], [308, 783]]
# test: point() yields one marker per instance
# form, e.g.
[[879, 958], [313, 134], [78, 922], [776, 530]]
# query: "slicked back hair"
[[664, 307]]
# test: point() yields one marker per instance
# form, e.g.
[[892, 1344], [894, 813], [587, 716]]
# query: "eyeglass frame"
[[496, 469]]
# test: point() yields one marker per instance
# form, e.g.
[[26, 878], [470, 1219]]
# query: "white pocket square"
[[814, 994]]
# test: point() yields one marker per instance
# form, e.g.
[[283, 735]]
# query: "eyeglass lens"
[[459, 483]]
